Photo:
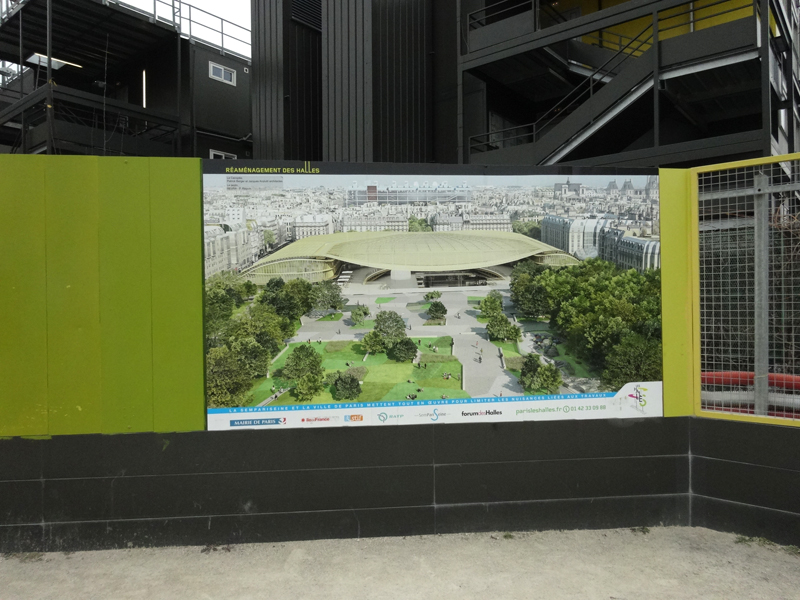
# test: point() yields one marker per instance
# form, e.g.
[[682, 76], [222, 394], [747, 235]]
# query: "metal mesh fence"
[[749, 242]]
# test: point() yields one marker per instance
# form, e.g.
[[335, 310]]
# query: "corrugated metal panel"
[[303, 93], [308, 12], [268, 85], [376, 80], [287, 82], [401, 94], [347, 81]]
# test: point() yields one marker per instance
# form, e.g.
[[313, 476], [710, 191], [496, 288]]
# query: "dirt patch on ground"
[[618, 564]]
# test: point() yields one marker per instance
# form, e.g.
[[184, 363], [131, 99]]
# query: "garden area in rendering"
[[380, 378]]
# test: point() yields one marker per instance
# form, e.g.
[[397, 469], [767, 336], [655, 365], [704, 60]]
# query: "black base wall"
[[94, 491], [746, 479]]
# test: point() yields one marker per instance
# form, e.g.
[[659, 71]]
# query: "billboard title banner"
[[350, 295]]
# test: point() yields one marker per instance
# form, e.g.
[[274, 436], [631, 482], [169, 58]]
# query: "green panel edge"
[[677, 291]]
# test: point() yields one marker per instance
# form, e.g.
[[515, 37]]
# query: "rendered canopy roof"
[[416, 251]]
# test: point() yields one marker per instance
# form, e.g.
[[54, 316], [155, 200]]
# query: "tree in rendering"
[[528, 228], [218, 310], [390, 326], [433, 295], [404, 350], [227, 381], [437, 310], [530, 366], [491, 305], [529, 297], [308, 386], [269, 238], [500, 328], [251, 356], [359, 314], [635, 358], [302, 291], [303, 360], [327, 294], [374, 343], [346, 387], [547, 377]]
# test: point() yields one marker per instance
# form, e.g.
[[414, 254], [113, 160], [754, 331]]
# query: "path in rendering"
[[482, 379]]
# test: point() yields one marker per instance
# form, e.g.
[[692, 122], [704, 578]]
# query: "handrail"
[[558, 108], [472, 20], [488, 141], [187, 19]]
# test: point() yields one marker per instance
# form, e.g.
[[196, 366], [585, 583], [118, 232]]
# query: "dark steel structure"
[[377, 80], [657, 83], [101, 77], [638, 82]]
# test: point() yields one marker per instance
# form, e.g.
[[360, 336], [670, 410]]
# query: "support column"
[[656, 84], [761, 294], [49, 110], [766, 86], [23, 131]]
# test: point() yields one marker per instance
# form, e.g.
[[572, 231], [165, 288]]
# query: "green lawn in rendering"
[[482, 319], [337, 316], [509, 348], [442, 343], [386, 380], [418, 306], [383, 300], [435, 322], [368, 324], [474, 300]]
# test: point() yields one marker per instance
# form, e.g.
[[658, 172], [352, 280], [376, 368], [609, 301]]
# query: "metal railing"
[[7, 7], [671, 21], [749, 276], [193, 23], [90, 122], [531, 132], [495, 12]]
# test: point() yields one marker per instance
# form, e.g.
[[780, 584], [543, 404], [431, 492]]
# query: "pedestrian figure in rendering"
[[480, 359], [426, 365]]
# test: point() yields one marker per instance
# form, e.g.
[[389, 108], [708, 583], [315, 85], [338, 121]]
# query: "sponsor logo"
[[433, 416], [252, 422], [639, 396], [482, 413], [383, 417], [320, 419], [354, 417]]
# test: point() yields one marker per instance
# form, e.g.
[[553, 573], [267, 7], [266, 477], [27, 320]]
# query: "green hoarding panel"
[[125, 294], [177, 276], [73, 296], [676, 283], [23, 292]]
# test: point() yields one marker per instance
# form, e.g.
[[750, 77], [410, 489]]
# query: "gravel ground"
[[616, 564]]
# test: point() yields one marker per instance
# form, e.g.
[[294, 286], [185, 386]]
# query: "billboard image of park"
[[349, 299]]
